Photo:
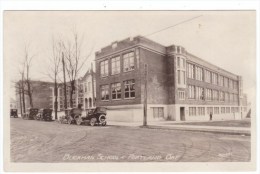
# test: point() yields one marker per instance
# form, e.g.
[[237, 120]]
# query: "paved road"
[[38, 141]]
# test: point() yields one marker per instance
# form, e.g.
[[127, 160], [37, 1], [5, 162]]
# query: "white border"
[[128, 5]]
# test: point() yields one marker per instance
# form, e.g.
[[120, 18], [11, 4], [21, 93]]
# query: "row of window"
[[115, 90], [85, 87], [196, 92], [196, 72], [200, 111], [128, 64]]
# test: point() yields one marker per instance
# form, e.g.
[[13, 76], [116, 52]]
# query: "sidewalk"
[[168, 125]]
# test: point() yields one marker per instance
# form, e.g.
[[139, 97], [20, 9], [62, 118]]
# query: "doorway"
[[182, 113]]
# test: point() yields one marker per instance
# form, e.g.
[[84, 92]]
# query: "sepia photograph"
[[129, 87]]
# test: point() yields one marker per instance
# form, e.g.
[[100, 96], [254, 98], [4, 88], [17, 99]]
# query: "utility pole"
[[145, 95], [93, 92], [64, 79]]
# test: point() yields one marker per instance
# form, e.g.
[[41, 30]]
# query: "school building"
[[180, 85]]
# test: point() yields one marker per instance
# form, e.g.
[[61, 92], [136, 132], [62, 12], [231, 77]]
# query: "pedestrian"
[[210, 116]]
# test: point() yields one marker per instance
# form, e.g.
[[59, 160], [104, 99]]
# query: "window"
[[222, 110], [227, 109], [129, 88], [80, 88], [214, 78], [221, 81], [129, 63], [235, 97], [209, 110], [199, 73], [208, 94], [115, 65], [158, 112], [231, 96], [231, 84], [216, 110], [227, 96], [200, 93], [181, 77], [178, 62], [225, 82], [221, 96], [192, 111], [181, 95], [191, 92], [116, 90], [183, 62], [85, 87], [215, 95], [201, 111], [105, 92], [235, 85], [190, 71], [89, 86], [207, 76], [104, 68]]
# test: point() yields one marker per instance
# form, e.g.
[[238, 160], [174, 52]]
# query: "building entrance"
[[182, 113]]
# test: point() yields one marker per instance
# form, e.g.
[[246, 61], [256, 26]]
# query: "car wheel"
[[104, 123], [93, 121], [78, 121], [69, 121]]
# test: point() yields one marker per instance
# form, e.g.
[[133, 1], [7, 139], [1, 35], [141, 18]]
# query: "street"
[[39, 141]]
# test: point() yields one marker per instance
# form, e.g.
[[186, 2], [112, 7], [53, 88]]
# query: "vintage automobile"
[[44, 114], [13, 113], [71, 115], [93, 117], [30, 113]]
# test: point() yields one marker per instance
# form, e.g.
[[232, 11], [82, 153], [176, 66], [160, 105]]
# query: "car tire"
[[104, 123], [102, 118], [69, 121], [78, 121], [92, 121]]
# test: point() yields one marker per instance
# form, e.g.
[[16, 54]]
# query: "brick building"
[[41, 95], [181, 86]]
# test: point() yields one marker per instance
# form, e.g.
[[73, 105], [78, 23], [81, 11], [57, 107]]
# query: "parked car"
[[71, 115], [13, 113], [93, 117], [30, 113], [44, 114]]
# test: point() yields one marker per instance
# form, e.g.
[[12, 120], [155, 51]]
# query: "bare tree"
[[74, 61], [19, 90], [54, 70], [26, 73]]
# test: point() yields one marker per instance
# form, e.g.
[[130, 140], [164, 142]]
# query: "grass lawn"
[[227, 123]]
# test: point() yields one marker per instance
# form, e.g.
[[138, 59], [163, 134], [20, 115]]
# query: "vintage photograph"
[[95, 87]]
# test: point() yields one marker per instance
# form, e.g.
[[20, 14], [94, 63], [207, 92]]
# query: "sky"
[[224, 38]]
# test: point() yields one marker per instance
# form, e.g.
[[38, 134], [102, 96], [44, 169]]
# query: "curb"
[[218, 131]]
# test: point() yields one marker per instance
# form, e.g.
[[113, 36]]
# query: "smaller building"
[[87, 90], [84, 93], [41, 95]]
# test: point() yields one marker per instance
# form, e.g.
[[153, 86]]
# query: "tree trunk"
[[30, 93], [64, 79], [23, 99], [20, 98], [72, 89], [56, 98]]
